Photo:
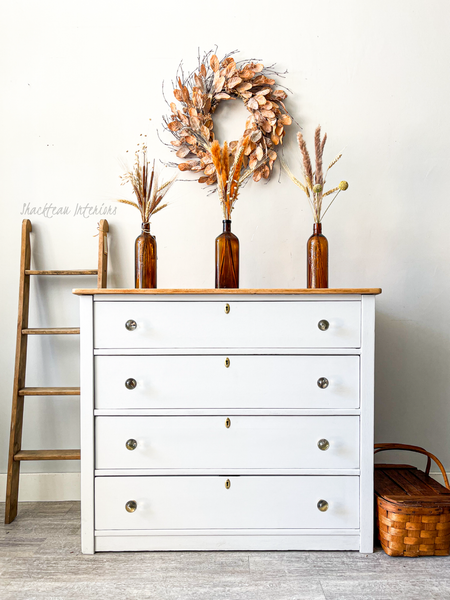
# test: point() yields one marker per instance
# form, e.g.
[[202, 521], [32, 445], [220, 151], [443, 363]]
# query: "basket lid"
[[405, 484]]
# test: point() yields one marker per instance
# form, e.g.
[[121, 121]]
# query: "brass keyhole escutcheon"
[[228, 484], [227, 309], [228, 423], [227, 362]]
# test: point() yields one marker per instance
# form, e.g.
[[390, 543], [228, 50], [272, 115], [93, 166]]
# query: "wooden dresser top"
[[284, 292]]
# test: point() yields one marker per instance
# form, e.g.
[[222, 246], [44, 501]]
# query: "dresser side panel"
[[367, 423], [87, 423]]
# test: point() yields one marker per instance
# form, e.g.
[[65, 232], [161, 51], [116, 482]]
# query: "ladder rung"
[[50, 391], [64, 272], [47, 455], [51, 331]]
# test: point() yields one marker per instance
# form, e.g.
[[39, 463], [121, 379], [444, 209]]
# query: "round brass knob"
[[130, 325], [130, 506], [131, 444], [227, 362], [227, 309], [323, 444], [322, 505], [323, 325], [130, 384], [323, 383]]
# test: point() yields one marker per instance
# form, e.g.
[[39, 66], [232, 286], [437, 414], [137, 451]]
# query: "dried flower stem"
[[316, 181], [319, 152], [327, 208]]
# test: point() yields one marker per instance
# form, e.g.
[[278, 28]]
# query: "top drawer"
[[217, 324]]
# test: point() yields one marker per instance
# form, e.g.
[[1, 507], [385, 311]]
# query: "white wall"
[[79, 82]]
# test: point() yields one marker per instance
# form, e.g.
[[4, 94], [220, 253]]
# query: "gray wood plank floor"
[[40, 558]]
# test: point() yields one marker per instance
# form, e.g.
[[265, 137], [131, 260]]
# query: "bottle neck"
[[317, 228], [145, 227], [226, 226]]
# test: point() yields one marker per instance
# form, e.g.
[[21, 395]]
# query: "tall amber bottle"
[[317, 256], [145, 259], [227, 258]]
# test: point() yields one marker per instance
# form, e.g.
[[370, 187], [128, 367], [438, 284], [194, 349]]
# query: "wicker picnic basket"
[[412, 509]]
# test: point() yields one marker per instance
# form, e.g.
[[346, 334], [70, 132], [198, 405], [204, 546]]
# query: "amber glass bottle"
[[317, 256], [227, 258], [145, 259]]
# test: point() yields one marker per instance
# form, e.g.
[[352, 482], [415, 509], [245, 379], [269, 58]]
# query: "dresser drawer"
[[233, 442], [270, 502], [204, 324], [264, 381]]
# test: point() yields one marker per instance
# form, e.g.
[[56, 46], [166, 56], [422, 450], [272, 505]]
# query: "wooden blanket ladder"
[[20, 391]]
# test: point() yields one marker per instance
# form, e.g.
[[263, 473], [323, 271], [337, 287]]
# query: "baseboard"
[[45, 487], [60, 487]]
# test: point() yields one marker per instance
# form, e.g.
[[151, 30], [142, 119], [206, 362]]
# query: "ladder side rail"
[[102, 254], [15, 442]]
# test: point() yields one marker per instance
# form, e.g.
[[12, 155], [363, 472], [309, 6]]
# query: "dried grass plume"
[[315, 180], [148, 191], [230, 177]]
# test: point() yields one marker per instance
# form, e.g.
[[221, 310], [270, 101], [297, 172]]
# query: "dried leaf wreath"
[[201, 92]]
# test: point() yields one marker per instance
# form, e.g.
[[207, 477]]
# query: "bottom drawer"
[[209, 502]]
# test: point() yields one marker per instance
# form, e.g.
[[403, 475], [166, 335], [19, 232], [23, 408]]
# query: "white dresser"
[[227, 419]]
